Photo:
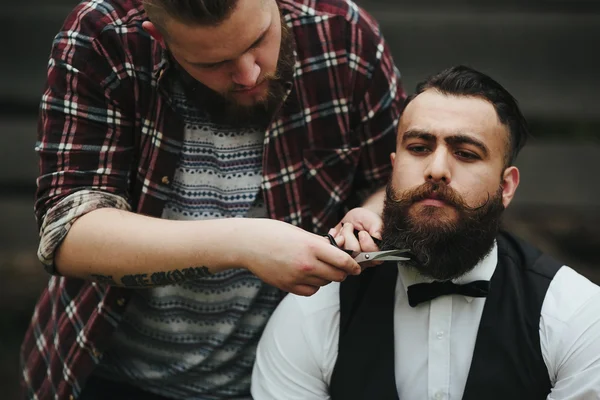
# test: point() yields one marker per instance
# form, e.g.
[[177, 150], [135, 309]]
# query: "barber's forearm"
[[123, 248], [375, 201]]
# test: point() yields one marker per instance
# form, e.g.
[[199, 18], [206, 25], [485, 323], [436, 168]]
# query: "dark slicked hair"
[[465, 81], [190, 12]]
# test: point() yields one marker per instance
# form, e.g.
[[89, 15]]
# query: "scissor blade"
[[387, 255], [392, 258]]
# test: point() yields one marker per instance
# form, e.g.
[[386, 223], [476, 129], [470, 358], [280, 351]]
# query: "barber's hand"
[[369, 226], [289, 257], [362, 219]]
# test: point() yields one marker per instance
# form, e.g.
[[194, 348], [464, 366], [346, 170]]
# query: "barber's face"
[[237, 58]]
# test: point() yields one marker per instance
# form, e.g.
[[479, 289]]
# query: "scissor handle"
[[352, 253], [333, 242]]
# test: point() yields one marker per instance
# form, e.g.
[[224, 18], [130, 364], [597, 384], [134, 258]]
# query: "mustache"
[[433, 190], [269, 77]]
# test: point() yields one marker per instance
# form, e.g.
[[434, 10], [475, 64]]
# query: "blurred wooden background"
[[543, 51]]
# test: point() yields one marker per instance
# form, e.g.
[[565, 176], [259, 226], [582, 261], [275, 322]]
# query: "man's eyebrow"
[[254, 44], [452, 140], [465, 139], [417, 134]]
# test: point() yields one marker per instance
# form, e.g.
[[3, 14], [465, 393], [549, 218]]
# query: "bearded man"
[[475, 313]]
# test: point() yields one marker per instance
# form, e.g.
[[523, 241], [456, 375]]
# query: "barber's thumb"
[[375, 229]]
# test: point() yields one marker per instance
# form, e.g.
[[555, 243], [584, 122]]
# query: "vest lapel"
[[507, 360]]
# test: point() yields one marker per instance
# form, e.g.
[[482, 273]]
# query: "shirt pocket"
[[329, 177]]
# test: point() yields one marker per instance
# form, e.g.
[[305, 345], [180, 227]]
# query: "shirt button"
[[440, 334], [165, 180], [71, 397], [439, 395], [121, 302]]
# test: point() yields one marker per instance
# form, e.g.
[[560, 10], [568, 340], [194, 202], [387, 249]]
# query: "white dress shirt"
[[298, 350]]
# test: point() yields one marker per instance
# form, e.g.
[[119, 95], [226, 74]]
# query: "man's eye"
[[258, 42], [467, 155], [418, 149], [211, 66]]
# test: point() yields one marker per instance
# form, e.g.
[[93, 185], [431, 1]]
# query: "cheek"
[[406, 175], [267, 60], [475, 187], [267, 55]]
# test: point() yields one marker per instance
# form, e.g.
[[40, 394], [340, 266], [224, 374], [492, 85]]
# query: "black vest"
[[507, 360]]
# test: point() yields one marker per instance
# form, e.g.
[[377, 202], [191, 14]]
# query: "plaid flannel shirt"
[[108, 125]]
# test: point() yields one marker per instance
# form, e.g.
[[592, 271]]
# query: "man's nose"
[[438, 169], [246, 71]]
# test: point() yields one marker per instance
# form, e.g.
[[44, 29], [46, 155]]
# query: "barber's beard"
[[442, 246], [260, 113]]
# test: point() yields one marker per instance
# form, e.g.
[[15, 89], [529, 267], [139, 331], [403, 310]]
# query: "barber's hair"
[[464, 81], [191, 12]]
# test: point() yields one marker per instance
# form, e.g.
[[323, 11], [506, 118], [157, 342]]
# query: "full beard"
[[442, 247]]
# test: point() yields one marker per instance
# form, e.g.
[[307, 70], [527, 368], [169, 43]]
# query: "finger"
[[370, 264], [318, 281], [304, 290], [351, 242], [335, 230], [334, 259], [376, 233], [366, 220], [340, 240], [373, 226], [323, 274], [366, 242]]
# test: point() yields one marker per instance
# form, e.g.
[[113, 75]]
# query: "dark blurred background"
[[543, 51]]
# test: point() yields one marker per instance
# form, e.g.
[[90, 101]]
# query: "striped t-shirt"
[[200, 336]]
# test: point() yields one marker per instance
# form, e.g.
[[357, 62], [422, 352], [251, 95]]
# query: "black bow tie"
[[422, 292]]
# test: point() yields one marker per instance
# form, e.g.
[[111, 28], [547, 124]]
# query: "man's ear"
[[510, 182], [392, 157], [154, 32]]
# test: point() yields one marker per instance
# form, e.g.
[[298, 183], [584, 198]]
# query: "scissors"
[[362, 257]]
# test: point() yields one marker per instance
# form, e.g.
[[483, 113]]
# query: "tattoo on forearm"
[[105, 279], [156, 278]]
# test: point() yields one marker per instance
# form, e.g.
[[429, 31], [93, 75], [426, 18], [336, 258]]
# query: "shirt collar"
[[482, 271]]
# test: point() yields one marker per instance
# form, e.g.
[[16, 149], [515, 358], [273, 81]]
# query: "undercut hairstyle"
[[189, 12], [465, 81]]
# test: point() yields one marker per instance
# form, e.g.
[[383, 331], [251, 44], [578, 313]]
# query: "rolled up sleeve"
[[61, 217]]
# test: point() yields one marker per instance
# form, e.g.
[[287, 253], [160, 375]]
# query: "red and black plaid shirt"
[[108, 124]]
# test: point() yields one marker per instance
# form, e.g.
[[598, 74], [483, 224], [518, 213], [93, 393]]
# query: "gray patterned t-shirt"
[[197, 339]]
